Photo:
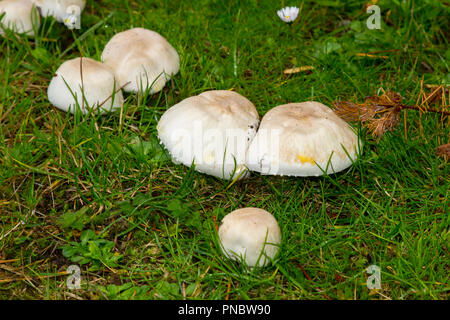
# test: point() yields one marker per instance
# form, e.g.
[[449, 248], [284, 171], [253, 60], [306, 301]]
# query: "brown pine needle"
[[369, 55], [382, 113], [8, 261], [444, 151], [63, 273], [228, 291], [309, 278], [437, 95], [112, 94]]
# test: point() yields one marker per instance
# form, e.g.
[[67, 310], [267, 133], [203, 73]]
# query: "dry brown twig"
[[382, 113]]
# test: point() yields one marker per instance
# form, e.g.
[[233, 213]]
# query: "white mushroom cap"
[[295, 139], [67, 11], [20, 16], [98, 83], [212, 130], [251, 234], [142, 58]]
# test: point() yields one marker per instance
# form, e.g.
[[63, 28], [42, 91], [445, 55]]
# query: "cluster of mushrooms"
[[23, 16], [218, 131]]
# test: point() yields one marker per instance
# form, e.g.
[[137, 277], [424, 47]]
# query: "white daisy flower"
[[288, 14]]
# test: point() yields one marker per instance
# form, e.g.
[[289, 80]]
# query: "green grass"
[[100, 192]]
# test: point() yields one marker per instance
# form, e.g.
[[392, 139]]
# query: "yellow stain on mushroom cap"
[[306, 159]]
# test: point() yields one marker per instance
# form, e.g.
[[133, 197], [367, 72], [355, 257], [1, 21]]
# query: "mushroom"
[[142, 58], [66, 11], [20, 16], [251, 235], [302, 139], [85, 84], [212, 131]]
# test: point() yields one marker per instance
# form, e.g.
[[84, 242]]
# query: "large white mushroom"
[[302, 139], [212, 131], [20, 16], [141, 59], [251, 235], [65, 11], [85, 84]]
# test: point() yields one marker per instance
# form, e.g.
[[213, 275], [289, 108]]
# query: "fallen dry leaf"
[[298, 69]]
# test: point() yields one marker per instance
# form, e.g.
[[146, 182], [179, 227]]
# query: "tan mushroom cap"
[[251, 234], [142, 58], [212, 130], [99, 86], [302, 139], [20, 16]]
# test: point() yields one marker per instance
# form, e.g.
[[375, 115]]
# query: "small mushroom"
[[142, 58], [251, 235], [302, 139], [85, 84], [66, 11], [20, 16], [212, 131]]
